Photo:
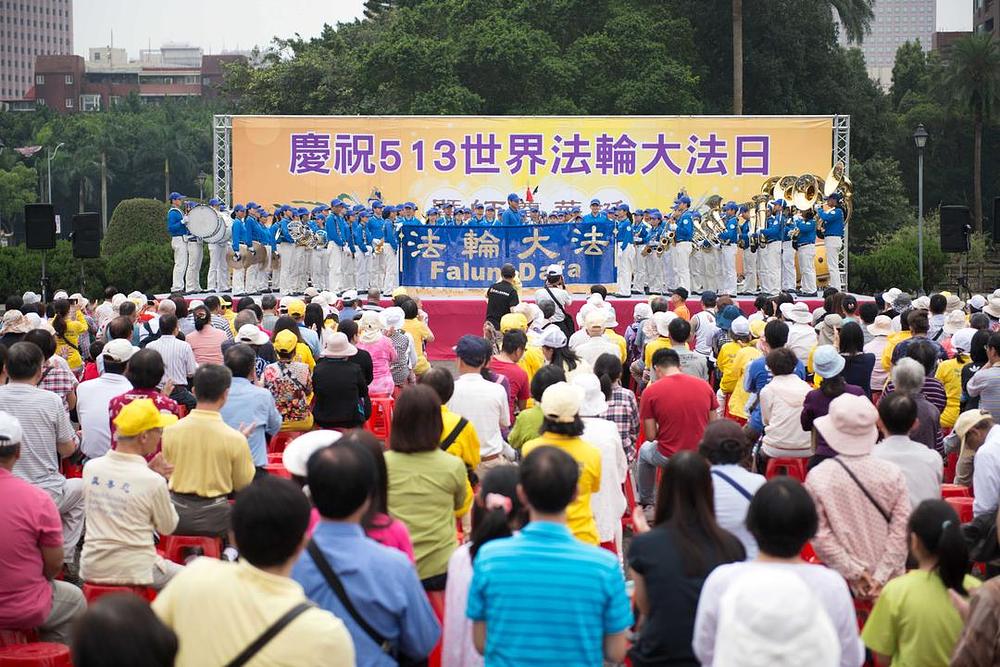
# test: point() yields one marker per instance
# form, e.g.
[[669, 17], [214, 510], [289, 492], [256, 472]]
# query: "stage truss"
[[222, 167]]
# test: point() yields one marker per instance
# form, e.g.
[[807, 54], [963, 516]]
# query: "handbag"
[[567, 325]]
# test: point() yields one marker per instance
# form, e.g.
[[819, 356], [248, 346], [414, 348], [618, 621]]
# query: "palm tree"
[[855, 17], [973, 83]]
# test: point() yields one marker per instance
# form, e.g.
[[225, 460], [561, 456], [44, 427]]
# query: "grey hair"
[[547, 306], [167, 307], [908, 376], [245, 316]]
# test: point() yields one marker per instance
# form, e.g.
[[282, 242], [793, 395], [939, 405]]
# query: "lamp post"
[[920, 140], [48, 177]]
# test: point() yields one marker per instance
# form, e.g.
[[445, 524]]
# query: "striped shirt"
[[932, 390], [547, 598], [178, 359], [986, 385], [44, 423]]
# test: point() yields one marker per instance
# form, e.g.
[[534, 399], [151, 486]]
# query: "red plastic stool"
[[93, 592], [950, 467], [808, 554], [280, 440], [15, 637], [39, 654], [955, 491], [380, 423], [962, 506], [436, 598], [793, 467], [275, 457], [278, 470], [629, 502], [173, 546], [70, 470]]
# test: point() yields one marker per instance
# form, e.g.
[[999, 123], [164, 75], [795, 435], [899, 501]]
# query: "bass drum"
[[227, 220], [208, 224]]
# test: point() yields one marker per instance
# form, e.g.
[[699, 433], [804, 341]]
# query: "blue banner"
[[463, 256]]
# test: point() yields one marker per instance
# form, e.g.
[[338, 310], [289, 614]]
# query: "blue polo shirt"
[[381, 583], [833, 221], [547, 598], [511, 218], [250, 405]]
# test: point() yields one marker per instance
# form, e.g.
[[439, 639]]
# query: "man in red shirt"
[[674, 411], [511, 350], [31, 552]]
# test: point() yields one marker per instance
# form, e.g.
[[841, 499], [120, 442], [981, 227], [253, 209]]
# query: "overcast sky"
[[215, 25]]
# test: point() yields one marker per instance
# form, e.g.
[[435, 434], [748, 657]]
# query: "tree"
[[376, 8], [909, 72], [18, 186], [880, 202], [973, 81]]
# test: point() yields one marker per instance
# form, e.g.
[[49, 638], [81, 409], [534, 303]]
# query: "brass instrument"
[[301, 234], [805, 192], [784, 188], [319, 239], [378, 246], [666, 241], [837, 181]]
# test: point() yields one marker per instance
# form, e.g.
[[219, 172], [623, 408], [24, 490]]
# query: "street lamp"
[[51, 156], [920, 140]]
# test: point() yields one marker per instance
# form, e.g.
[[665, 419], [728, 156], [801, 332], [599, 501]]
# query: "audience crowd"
[[293, 482]]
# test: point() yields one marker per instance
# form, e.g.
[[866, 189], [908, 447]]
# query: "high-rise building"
[[986, 16], [896, 22], [30, 28]]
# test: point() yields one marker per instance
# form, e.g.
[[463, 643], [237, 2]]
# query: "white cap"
[[297, 453], [350, 295], [740, 327], [79, 298], [30, 297], [61, 294], [119, 350], [394, 317], [561, 402], [10, 430], [554, 270], [251, 333], [977, 301], [552, 337]]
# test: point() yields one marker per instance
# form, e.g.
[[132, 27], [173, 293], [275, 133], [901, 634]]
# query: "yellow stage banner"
[[429, 160]]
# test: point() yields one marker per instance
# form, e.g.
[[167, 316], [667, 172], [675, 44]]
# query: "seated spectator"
[[828, 365], [482, 402], [692, 363], [969, 433], [302, 352], [250, 408], [373, 588], [984, 439], [125, 503], [557, 352], [562, 428], [211, 460], [858, 363], [949, 373], [669, 562], [733, 486], [179, 363], [923, 353], [674, 410], [908, 379], [862, 501], [96, 395], [912, 621], [608, 503], [340, 386], [144, 371], [781, 404], [218, 609], [48, 437], [623, 408], [32, 547], [542, 596], [13, 327], [496, 513], [258, 340], [206, 340], [661, 322], [977, 645], [782, 519], [922, 467], [419, 333], [507, 363], [55, 378], [290, 384], [459, 434], [381, 350], [297, 311], [122, 630], [879, 330], [919, 328], [985, 383], [69, 324], [361, 358], [528, 424], [426, 485], [756, 376], [590, 342], [406, 354]]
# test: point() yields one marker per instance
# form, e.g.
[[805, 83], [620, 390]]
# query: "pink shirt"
[[383, 353], [207, 344], [28, 522], [394, 535]]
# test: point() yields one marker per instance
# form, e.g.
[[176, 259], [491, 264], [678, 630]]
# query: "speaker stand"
[[83, 280], [45, 280], [963, 278]]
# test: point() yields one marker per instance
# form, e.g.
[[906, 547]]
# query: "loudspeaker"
[[86, 235], [996, 220], [40, 226], [956, 223]]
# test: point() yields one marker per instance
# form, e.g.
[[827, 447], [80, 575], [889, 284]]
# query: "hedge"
[[136, 221]]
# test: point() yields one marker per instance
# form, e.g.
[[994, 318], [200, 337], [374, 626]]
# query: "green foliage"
[[909, 72], [880, 203], [145, 266], [136, 221], [893, 260], [973, 79], [21, 271], [18, 186]]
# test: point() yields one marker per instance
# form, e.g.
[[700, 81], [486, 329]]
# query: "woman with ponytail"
[[913, 622], [68, 323], [497, 512], [623, 409], [205, 340]]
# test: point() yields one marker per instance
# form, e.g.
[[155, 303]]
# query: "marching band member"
[[260, 224], [512, 216], [806, 242], [787, 253], [770, 250], [534, 217], [491, 217], [336, 243], [832, 216], [729, 237], [390, 280], [749, 256], [432, 216], [305, 254], [192, 278], [640, 236], [624, 250], [699, 258], [655, 278], [177, 228], [683, 244], [348, 266], [286, 249], [376, 234], [409, 216], [319, 266], [242, 242], [477, 215], [218, 270], [363, 249], [596, 214], [447, 214]]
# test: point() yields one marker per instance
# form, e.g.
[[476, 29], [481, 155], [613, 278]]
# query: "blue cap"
[[190, 204], [316, 210], [433, 211], [623, 207], [724, 320], [836, 195], [377, 204], [335, 203], [358, 207], [348, 214], [365, 213], [742, 209], [656, 215], [302, 211], [252, 204], [473, 350], [410, 205], [513, 197], [491, 208], [448, 205], [639, 211], [684, 199], [478, 205], [730, 205], [214, 201], [389, 208], [696, 215], [576, 209], [175, 195], [778, 202], [595, 200], [238, 208]]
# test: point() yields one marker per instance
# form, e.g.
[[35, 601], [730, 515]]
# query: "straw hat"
[[954, 321], [338, 347], [14, 321], [992, 307], [371, 327], [882, 326]]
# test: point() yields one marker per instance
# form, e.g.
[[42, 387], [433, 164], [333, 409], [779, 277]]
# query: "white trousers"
[[390, 280], [334, 258], [698, 268], [625, 262], [319, 268], [639, 272], [669, 268], [749, 271], [218, 270], [787, 266], [286, 278], [807, 268], [362, 264], [727, 270], [192, 277], [656, 271], [833, 246], [180, 248], [348, 269], [682, 265], [376, 272], [241, 284], [770, 272]]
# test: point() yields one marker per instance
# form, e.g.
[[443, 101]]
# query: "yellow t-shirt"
[[724, 362], [738, 399], [219, 608], [465, 447], [69, 347], [914, 621], [891, 342], [210, 458], [950, 374], [579, 515], [419, 331], [652, 346], [532, 360], [619, 341], [305, 355]]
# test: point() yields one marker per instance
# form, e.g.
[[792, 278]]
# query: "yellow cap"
[[286, 341], [398, 291], [140, 416], [757, 328], [512, 322], [297, 307]]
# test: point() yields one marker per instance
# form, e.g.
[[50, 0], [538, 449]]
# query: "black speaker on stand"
[[40, 234], [86, 239], [956, 226]]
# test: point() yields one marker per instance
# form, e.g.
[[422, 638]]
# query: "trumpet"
[[378, 246]]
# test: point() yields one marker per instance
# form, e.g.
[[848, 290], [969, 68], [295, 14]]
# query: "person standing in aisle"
[[832, 215]]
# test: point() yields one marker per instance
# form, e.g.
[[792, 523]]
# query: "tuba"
[[805, 192], [301, 234], [837, 181]]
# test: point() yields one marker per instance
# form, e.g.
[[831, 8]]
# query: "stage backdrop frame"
[[223, 143]]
